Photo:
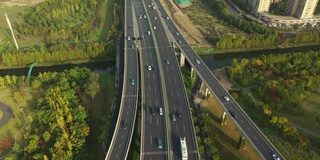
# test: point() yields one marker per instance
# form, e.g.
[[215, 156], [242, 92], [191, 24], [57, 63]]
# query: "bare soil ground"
[[183, 23], [20, 2]]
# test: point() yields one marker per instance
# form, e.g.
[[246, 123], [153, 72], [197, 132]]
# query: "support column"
[[224, 118], [207, 92], [192, 73], [182, 60]]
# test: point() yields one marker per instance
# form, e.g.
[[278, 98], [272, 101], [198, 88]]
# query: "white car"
[[154, 27], [198, 61], [144, 16], [149, 33], [168, 17], [226, 98], [275, 157], [155, 18], [140, 16], [177, 33], [149, 68], [129, 38]]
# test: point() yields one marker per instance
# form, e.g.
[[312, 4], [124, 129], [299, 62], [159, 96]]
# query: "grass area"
[[6, 40], [103, 32], [310, 115], [226, 137], [99, 115], [14, 124]]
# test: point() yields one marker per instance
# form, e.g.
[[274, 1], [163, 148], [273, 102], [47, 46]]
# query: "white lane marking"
[[262, 146], [171, 94], [242, 121], [127, 113], [154, 76], [157, 122], [150, 119], [122, 137], [156, 103], [175, 80], [149, 87], [169, 80], [248, 129], [150, 139], [119, 145], [148, 75], [177, 128], [178, 93], [150, 102], [155, 89], [255, 137], [184, 128]]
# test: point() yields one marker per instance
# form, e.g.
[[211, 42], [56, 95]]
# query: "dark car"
[[124, 124], [178, 114], [233, 114], [153, 111]]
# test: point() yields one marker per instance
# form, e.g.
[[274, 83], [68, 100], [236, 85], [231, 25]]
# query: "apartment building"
[[302, 9], [260, 5]]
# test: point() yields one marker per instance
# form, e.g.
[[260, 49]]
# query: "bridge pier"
[[182, 60], [207, 92], [192, 73]]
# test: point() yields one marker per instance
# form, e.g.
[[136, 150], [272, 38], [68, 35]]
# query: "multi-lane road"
[[264, 147], [122, 136], [162, 87]]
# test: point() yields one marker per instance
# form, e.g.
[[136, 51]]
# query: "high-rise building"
[[260, 5], [301, 9]]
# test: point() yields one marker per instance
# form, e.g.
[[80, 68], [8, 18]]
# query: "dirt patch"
[[183, 23], [11, 3], [223, 79]]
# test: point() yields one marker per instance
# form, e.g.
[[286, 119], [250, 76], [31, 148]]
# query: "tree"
[[92, 86]]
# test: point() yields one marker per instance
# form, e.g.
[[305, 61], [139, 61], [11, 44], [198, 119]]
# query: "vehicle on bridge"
[[184, 151]]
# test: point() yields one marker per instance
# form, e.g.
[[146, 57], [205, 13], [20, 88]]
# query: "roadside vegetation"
[[250, 34], [285, 87], [64, 32]]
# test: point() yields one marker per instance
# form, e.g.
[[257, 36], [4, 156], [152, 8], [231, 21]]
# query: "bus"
[[184, 150]]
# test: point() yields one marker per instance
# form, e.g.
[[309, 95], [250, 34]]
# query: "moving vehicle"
[[149, 68], [159, 143], [183, 148], [174, 117], [129, 38], [132, 81], [226, 98], [167, 61], [153, 111], [160, 111], [179, 41], [149, 33], [154, 27], [198, 61], [233, 114], [179, 114], [275, 157], [124, 124], [177, 33]]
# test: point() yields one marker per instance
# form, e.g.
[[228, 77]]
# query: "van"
[[160, 111]]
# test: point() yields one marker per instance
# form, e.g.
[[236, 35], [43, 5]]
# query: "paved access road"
[[7, 113]]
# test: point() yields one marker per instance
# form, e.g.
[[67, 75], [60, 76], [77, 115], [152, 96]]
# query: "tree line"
[[59, 128]]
